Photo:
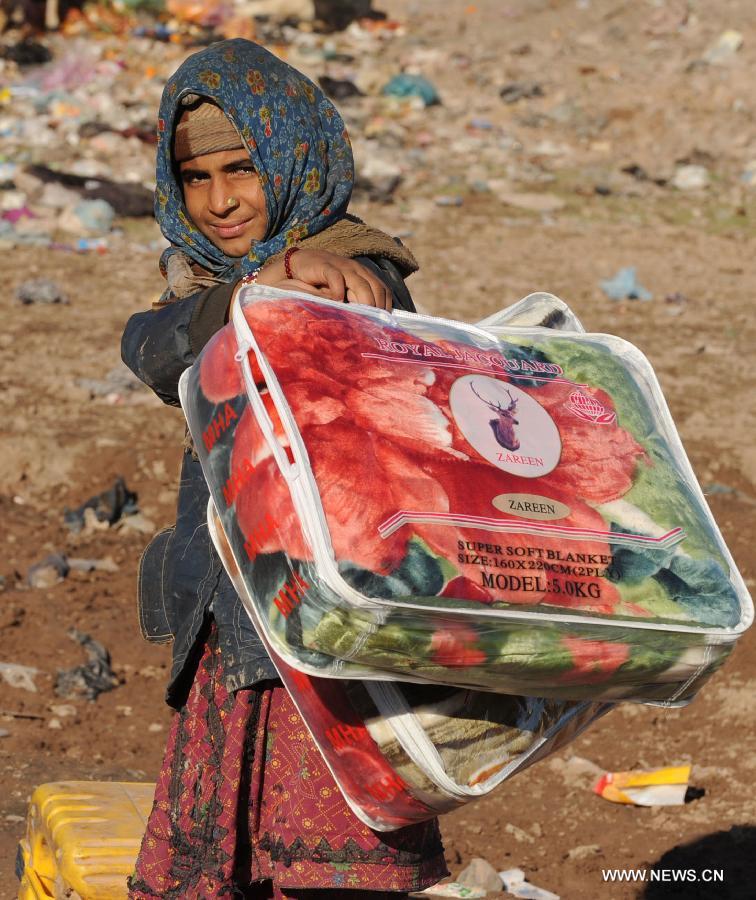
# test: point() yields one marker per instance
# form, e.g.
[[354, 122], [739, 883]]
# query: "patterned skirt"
[[246, 807]]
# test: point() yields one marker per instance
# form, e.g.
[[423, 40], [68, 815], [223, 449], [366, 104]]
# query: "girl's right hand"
[[328, 275]]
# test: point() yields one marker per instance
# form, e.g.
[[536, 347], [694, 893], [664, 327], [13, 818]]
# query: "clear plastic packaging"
[[402, 753], [506, 508]]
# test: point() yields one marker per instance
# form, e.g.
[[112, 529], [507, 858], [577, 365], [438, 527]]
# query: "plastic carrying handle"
[[247, 343]]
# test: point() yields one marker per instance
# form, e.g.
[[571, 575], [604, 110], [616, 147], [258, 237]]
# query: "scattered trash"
[[748, 175], [16, 214], [677, 298], [691, 178], [724, 49], [107, 507], [533, 202], [656, 787], [13, 714], [339, 89], [520, 90], [18, 676], [625, 286], [515, 883], [519, 834], [451, 889], [4, 733], [668, 18], [640, 174], [377, 176], [92, 524], [89, 217], [83, 245], [7, 173], [63, 710], [50, 571], [92, 565], [91, 679], [26, 52], [449, 200], [406, 85], [584, 851], [716, 488], [127, 200], [480, 874], [40, 290], [335, 15], [120, 380], [137, 522]]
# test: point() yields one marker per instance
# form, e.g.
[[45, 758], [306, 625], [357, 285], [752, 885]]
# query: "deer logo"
[[504, 422]]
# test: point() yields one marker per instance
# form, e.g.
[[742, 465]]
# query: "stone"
[[533, 201], [40, 290], [691, 178], [519, 834], [584, 851]]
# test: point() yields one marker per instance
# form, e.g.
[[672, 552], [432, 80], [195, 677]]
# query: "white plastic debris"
[[723, 50], [515, 883], [452, 889], [19, 676]]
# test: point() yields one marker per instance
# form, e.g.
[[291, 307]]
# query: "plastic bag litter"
[[502, 508]]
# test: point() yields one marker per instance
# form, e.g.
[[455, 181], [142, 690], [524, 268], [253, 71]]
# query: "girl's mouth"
[[230, 231]]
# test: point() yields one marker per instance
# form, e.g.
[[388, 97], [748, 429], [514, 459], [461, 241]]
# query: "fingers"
[[335, 282], [368, 291], [294, 284], [362, 286]]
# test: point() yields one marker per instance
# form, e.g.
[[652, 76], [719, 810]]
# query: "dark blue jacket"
[[181, 580]]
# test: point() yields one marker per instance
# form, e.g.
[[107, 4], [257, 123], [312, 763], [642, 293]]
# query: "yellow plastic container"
[[82, 839]]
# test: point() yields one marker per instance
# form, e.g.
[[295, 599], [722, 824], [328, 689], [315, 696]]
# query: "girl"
[[254, 176]]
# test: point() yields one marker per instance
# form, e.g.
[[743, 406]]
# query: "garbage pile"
[[436, 125], [78, 105]]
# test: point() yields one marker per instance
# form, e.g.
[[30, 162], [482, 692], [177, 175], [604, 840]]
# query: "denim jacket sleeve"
[[157, 345]]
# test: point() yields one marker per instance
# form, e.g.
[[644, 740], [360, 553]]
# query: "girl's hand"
[[328, 275]]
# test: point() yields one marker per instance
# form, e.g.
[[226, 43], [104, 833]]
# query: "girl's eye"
[[244, 170], [194, 178]]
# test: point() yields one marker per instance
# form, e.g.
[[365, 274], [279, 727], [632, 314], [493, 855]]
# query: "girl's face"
[[225, 200]]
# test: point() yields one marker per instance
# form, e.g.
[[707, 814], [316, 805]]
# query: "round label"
[[505, 425]]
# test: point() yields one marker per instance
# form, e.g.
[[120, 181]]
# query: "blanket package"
[[442, 522]]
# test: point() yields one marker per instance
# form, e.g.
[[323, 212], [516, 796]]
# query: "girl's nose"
[[218, 197]]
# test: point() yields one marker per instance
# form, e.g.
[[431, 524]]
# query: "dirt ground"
[[637, 96]]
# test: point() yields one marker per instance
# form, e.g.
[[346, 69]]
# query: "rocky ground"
[[636, 149]]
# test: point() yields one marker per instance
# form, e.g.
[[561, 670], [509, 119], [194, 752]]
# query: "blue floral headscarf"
[[295, 137]]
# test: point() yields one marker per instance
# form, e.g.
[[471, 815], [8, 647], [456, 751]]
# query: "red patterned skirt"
[[246, 807]]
